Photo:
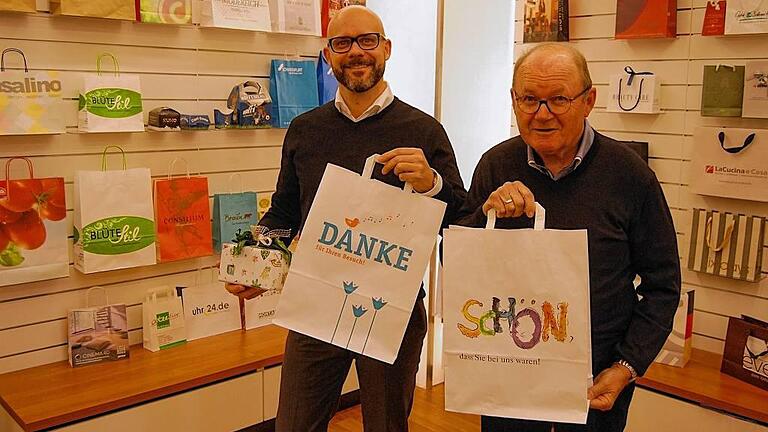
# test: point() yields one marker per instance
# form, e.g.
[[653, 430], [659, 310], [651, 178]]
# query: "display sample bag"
[[296, 16], [513, 322], [723, 90], [33, 228], [30, 102], [18, 6], [164, 11], [115, 9], [746, 350], [639, 19], [326, 81], [714, 18], [232, 211], [545, 21], [163, 319], [110, 103], [357, 270], [293, 88], [113, 218], [183, 217], [243, 15], [755, 90], [746, 17], [97, 333], [635, 92], [727, 244], [730, 163], [331, 8], [677, 349], [209, 309]]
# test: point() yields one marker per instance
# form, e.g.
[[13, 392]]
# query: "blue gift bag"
[[232, 212], [326, 81], [293, 89]]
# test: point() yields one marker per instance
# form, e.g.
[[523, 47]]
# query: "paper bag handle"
[[173, 164], [538, 221], [229, 182], [726, 237], [16, 50], [733, 150], [88, 295], [8, 167], [104, 157], [114, 63], [370, 162]]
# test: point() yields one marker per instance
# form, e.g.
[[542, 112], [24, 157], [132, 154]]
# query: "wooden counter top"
[[54, 394], [701, 381]]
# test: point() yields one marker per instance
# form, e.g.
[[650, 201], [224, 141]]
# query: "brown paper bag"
[[18, 5], [114, 9], [746, 350]]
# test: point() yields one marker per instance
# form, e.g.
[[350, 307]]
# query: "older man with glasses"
[[365, 119], [585, 180]]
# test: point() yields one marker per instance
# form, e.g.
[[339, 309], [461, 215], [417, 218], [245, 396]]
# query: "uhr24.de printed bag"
[[635, 92], [209, 309], [727, 244], [114, 220], [511, 322], [110, 103], [33, 229]]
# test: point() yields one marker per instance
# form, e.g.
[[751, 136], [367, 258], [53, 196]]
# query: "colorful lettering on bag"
[[112, 102], [163, 320], [30, 85], [117, 235], [527, 327], [363, 246], [184, 220]]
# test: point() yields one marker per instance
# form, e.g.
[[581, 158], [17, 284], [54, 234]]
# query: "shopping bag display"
[[110, 103], [545, 20], [183, 217], [18, 5], [164, 11], [113, 218], [638, 19], [297, 16], [727, 244], [722, 91], [513, 322], [755, 90], [746, 17], [209, 309], [232, 212], [635, 92], [243, 15], [714, 18], [163, 317], [331, 8], [679, 345], [97, 333], [730, 163], [33, 229], [30, 102], [326, 81], [260, 310], [293, 89], [357, 270], [115, 9], [746, 350]]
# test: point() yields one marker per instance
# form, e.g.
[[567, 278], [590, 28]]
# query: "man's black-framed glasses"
[[366, 41], [558, 104]]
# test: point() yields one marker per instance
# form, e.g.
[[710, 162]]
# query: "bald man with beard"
[[365, 118]]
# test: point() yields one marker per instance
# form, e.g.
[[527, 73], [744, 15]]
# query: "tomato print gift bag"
[[114, 221], [33, 229]]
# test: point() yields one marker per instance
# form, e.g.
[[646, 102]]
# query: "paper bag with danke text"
[[357, 270], [113, 218], [110, 102], [516, 315]]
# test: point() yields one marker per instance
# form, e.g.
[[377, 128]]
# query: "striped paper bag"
[[727, 244]]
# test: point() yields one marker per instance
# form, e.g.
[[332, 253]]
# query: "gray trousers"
[[314, 372]]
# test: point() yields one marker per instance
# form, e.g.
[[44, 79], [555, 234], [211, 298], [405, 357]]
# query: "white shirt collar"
[[384, 100]]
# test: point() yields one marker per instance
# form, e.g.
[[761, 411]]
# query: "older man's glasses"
[[559, 104], [366, 41]]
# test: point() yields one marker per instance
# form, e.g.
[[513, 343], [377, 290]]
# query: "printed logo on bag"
[[246, 3], [30, 85], [112, 102], [212, 309], [756, 356], [290, 70], [725, 170], [528, 327], [117, 235], [163, 320], [754, 15], [361, 248], [723, 266], [239, 218]]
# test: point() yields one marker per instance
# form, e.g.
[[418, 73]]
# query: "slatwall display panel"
[[679, 64], [188, 68]]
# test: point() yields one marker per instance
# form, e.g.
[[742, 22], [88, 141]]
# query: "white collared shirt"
[[384, 100]]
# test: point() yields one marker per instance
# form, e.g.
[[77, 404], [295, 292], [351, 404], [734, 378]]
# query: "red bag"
[[182, 218], [332, 7], [639, 19], [714, 19]]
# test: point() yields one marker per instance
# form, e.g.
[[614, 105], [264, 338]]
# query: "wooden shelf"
[[702, 382], [55, 394]]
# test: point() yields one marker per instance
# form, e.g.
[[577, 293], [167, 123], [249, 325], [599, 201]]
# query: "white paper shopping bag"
[[296, 16], [163, 317], [243, 15], [516, 337], [209, 309], [114, 221], [634, 92], [110, 103], [355, 275], [746, 17]]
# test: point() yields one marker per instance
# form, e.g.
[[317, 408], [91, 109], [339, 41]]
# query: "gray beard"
[[360, 85]]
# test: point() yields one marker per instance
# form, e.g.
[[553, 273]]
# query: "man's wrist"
[[628, 367]]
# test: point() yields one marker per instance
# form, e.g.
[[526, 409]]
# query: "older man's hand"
[[512, 199], [608, 385], [411, 166]]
